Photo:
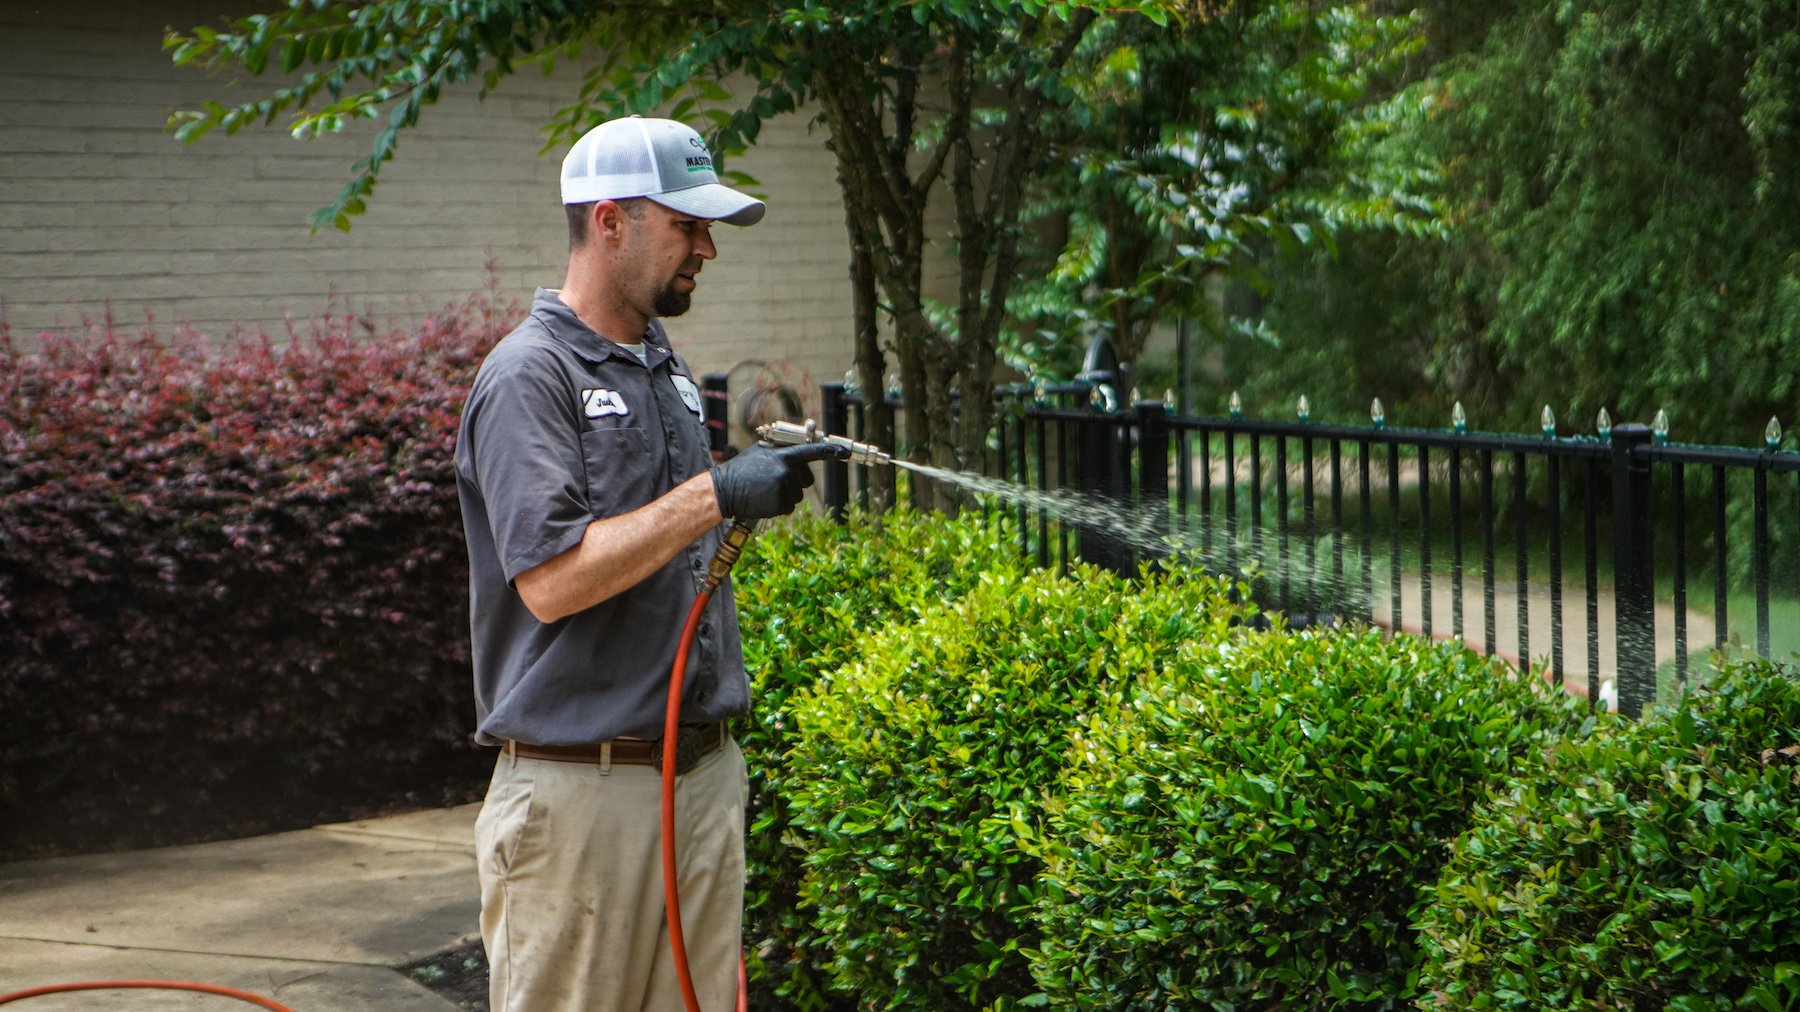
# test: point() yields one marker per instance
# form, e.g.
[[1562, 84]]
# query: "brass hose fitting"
[[726, 556]]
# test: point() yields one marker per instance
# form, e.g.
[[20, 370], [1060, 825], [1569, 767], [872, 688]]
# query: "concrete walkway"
[[313, 919]]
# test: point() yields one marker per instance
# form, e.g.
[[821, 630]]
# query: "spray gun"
[[784, 433], [791, 434]]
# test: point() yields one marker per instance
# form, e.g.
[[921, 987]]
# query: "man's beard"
[[669, 302]]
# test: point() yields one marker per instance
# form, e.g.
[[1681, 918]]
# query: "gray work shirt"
[[563, 427]]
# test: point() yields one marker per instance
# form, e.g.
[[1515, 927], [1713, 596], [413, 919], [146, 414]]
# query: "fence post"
[[1096, 475], [715, 398], [1634, 601], [1153, 468], [835, 421]]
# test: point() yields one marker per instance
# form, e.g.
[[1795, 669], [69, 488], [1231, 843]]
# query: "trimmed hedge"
[[926, 761], [811, 594], [233, 589], [1254, 825], [1655, 867]]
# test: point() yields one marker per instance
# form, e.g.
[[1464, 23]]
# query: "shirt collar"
[[591, 346]]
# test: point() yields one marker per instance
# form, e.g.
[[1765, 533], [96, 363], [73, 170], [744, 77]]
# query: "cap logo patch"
[[701, 162]]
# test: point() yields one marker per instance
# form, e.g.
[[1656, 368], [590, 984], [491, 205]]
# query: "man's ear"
[[608, 221]]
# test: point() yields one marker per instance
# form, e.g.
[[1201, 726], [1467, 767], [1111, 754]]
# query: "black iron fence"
[[1611, 564]]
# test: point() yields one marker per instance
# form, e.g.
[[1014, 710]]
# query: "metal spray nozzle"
[[785, 433]]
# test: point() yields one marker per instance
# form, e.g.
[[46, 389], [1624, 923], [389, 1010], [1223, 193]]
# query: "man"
[[591, 507]]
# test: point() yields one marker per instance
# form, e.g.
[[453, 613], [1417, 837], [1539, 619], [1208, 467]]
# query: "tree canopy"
[[1619, 192], [1100, 162]]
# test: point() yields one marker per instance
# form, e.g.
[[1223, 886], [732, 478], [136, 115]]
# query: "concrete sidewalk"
[[313, 919]]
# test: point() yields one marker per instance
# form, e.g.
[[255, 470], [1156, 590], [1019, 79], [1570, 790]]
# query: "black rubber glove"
[[766, 481]]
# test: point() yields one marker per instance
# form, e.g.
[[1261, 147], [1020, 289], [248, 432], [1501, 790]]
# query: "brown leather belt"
[[693, 743]]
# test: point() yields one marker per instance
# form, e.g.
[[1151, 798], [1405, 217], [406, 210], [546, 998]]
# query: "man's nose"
[[703, 245]]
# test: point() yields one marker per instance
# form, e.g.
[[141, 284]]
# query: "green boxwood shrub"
[[812, 593], [925, 762], [1253, 827], [1654, 868]]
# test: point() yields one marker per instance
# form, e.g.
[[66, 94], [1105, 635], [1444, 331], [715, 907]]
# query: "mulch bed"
[[459, 976]]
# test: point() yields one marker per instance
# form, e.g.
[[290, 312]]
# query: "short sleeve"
[[522, 452]]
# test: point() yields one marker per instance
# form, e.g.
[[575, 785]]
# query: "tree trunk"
[[947, 380], [871, 365]]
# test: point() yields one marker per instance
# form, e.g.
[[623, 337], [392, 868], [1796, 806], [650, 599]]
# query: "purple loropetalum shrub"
[[233, 589]]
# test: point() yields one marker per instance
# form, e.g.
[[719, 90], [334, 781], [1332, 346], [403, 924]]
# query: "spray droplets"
[[1249, 553]]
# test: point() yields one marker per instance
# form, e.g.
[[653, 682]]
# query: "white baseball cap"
[[661, 159]]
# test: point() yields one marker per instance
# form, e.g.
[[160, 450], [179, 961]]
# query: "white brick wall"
[[101, 207]]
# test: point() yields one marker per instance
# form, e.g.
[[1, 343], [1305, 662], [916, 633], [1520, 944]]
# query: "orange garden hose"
[[671, 896], [166, 985]]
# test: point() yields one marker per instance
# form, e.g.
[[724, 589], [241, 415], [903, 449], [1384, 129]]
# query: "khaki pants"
[[570, 862]]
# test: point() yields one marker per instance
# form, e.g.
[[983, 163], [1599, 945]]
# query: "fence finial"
[[1378, 414], [1236, 407], [1304, 409], [1459, 419], [1547, 422], [1772, 433], [1604, 424], [1659, 427]]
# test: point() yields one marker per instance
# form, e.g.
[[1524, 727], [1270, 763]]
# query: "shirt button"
[[697, 564], [706, 628]]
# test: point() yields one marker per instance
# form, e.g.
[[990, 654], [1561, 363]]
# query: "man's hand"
[[765, 482]]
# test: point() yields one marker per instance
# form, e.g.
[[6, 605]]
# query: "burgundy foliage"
[[233, 589]]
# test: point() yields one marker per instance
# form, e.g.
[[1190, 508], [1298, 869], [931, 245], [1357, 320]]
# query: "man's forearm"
[[617, 552]]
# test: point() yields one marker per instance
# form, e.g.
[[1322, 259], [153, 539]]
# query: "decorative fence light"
[[1040, 394], [1659, 427], [1547, 422], [852, 385], [1236, 407], [1378, 414], [1772, 434], [1169, 398], [1304, 409], [1459, 419], [1137, 394], [1104, 397], [1604, 424]]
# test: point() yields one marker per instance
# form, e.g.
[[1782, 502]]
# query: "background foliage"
[[1618, 198], [1204, 152], [1120, 155], [232, 582]]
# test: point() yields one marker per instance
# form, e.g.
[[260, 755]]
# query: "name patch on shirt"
[[599, 402], [690, 394]]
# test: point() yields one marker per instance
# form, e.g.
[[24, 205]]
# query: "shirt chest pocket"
[[621, 473]]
